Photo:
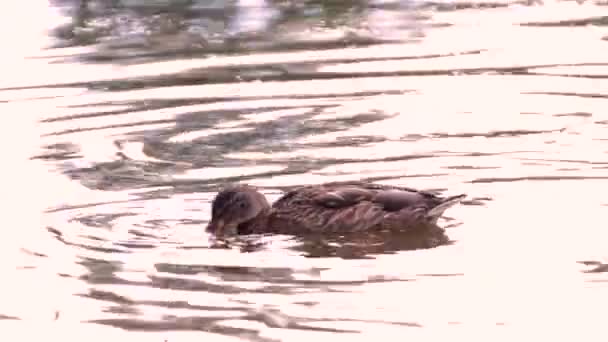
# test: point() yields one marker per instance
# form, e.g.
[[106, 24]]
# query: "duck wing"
[[312, 211], [391, 198], [355, 206]]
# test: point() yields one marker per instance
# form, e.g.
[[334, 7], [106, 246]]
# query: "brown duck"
[[338, 207]]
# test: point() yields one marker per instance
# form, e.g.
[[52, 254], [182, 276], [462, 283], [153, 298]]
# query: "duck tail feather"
[[445, 204]]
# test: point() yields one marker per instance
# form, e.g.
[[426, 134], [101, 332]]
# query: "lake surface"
[[121, 121]]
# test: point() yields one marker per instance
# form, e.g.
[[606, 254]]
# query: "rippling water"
[[121, 121]]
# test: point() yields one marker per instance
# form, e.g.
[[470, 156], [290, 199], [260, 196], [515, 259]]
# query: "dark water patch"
[[26, 267], [7, 317], [276, 135], [160, 224], [285, 75], [286, 71], [33, 253], [211, 150], [494, 134], [470, 167], [595, 21], [101, 271], [596, 266], [267, 315], [462, 5], [274, 318], [111, 182], [104, 272], [558, 74], [108, 127], [575, 114], [571, 161], [476, 201], [212, 324], [261, 274], [121, 310], [346, 141], [206, 76], [143, 32], [173, 323], [307, 303], [152, 104], [65, 207], [491, 134], [107, 296], [191, 46], [238, 273], [59, 152], [111, 297], [487, 154], [535, 178], [181, 284], [157, 144], [59, 236], [136, 245], [170, 188], [532, 163], [286, 287], [586, 75], [128, 305], [441, 275], [144, 235], [348, 39], [121, 174], [100, 220], [136, 239], [107, 180]]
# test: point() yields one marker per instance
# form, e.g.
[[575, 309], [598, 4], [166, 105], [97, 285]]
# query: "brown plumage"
[[338, 207]]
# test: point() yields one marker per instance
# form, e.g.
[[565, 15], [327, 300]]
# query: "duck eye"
[[242, 205]]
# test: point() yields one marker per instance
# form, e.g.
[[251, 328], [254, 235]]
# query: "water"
[[117, 139]]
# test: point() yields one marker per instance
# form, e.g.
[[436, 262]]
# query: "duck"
[[334, 207]]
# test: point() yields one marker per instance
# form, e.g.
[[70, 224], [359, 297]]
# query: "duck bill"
[[219, 227], [215, 226]]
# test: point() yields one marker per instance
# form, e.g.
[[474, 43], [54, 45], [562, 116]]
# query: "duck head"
[[234, 207]]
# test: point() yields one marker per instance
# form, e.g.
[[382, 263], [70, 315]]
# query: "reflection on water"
[[140, 111]]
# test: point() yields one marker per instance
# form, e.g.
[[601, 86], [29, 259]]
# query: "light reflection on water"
[[127, 154]]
